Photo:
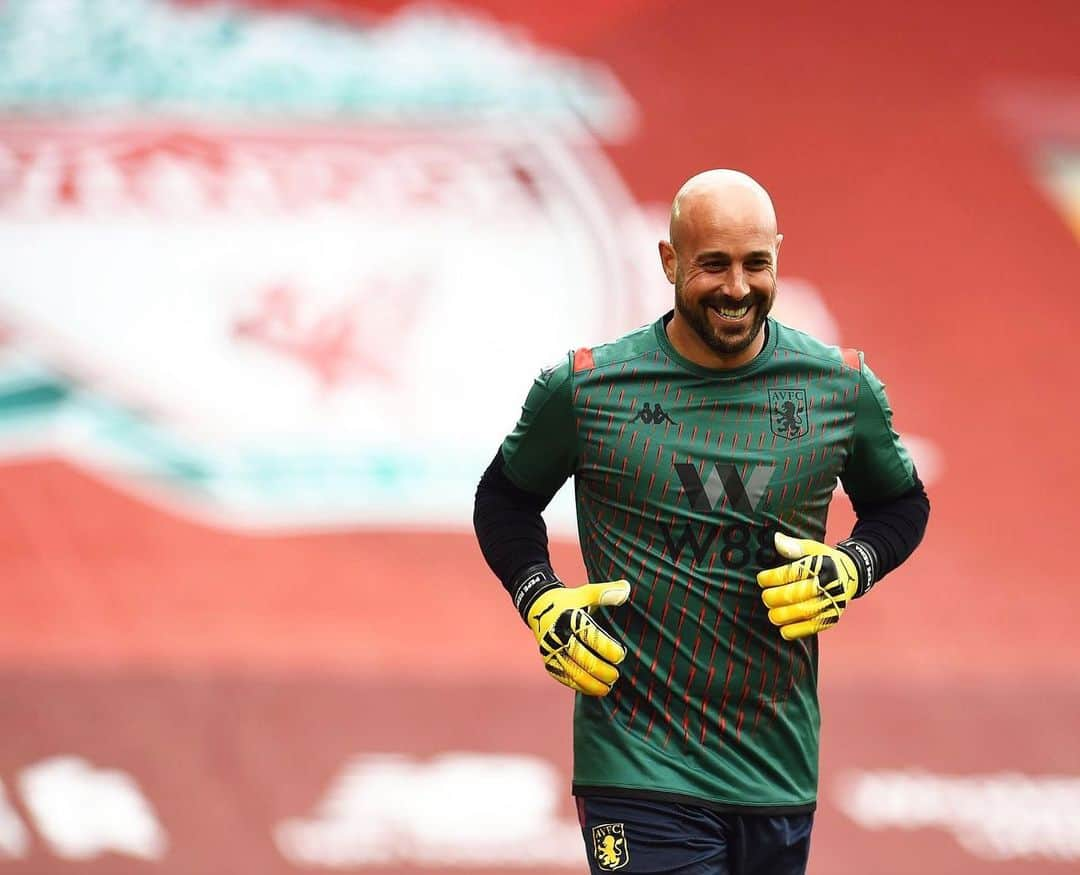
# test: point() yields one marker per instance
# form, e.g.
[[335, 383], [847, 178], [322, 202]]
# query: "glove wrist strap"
[[866, 563], [530, 584]]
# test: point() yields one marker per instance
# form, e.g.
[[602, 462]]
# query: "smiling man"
[[705, 449]]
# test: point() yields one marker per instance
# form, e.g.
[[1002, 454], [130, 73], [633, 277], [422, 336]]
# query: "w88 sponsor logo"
[[739, 544]]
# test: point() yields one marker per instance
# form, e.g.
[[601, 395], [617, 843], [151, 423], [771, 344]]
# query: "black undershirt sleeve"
[[509, 526], [892, 529]]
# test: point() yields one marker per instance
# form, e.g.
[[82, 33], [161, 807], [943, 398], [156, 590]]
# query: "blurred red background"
[[914, 153]]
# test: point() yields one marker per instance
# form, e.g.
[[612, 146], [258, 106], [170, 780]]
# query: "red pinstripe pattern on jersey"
[[724, 581], [803, 663], [748, 669], [652, 590], [590, 541], [618, 490], [697, 646], [585, 417], [638, 649], [761, 690], [792, 660], [722, 713], [775, 688], [655, 662], [674, 662], [627, 636]]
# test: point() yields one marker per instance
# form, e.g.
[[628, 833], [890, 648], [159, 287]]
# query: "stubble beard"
[[697, 317]]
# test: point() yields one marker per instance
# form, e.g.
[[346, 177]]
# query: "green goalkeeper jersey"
[[682, 474]]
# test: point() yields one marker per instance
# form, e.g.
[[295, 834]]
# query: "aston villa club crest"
[[787, 413], [609, 846]]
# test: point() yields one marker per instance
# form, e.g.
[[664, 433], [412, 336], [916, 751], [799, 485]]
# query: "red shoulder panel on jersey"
[[851, 358], [583, 360]]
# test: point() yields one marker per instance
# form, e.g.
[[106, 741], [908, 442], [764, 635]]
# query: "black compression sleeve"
[[891, 529], [509, 527]]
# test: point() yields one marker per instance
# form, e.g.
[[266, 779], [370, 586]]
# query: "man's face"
[[725, 281]]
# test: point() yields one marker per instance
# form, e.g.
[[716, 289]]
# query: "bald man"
[[705, 449]]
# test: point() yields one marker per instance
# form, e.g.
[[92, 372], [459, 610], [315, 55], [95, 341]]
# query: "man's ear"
[[779, 240], [669, 260]]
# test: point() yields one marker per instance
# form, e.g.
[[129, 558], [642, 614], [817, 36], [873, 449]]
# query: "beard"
[[724, 342]]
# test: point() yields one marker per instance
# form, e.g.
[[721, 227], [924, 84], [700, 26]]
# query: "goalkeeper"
[[705, 449]]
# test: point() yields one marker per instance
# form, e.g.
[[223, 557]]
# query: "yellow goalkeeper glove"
[[810, 593], [576, 651]]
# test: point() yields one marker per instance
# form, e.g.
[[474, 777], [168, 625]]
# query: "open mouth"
[[732, 314]]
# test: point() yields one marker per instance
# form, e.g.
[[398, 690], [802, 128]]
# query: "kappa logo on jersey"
[[724, 480], [609, 846], [788, 416], [653, 416]]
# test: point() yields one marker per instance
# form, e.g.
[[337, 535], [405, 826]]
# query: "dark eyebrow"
[[720, 254]]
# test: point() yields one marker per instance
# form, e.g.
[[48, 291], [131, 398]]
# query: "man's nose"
[[738, 288]]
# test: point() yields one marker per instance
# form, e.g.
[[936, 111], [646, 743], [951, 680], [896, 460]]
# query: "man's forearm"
[[890, 529], [509, 526]]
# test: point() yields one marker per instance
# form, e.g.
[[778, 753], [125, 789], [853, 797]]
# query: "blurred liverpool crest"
[[292, 247]]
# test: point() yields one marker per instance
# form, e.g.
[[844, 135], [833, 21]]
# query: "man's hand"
[[810, 593], [576, 651]]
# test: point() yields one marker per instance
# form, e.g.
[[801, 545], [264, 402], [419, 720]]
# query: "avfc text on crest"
[[787, 413], [609, 846]]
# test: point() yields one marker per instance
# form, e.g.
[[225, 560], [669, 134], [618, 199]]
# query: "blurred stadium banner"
[[274, 279]]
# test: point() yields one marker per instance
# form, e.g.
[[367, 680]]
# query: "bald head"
[[722, 260], [721, 198]]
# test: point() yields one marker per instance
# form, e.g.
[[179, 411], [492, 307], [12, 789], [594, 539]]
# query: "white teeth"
[[733, 313]]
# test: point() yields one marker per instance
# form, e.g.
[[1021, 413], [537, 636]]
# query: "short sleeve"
[[879, 467], [541, 452]]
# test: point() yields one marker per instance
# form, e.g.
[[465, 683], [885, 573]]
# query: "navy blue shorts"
[[640, 835]]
